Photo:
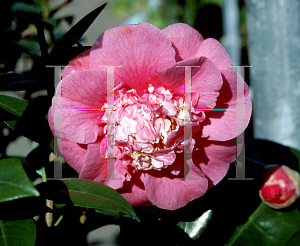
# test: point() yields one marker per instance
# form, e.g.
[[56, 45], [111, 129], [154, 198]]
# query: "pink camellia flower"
[[151, 151], [281, 187]]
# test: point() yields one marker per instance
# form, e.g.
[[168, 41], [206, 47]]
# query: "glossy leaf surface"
[[12, 109], [17, 232], [266, 227], [86, 193], [14, 182]]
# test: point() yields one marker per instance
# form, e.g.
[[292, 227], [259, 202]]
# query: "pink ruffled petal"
[[97, 169], [175, 168], [73, 153], [213, 157], [55, 128], [185, 39], [178, 136], [94, 165], [206, 80], [139, 49], [166, 157], [213, 50], [78, 63], [51, 120], [223, 125], [77, 105], [134, 191], [166, 191]]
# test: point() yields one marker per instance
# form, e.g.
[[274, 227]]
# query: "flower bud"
[[281, 187]]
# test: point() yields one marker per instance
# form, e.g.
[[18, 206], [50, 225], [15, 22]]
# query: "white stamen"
[[157, 118]]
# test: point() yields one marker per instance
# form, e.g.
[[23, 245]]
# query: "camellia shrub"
[[145, 130], [149, 112]]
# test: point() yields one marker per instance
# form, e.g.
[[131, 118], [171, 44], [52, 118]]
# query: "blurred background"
[[262, 34]]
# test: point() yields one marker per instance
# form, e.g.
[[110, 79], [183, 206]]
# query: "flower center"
[[151, 127]]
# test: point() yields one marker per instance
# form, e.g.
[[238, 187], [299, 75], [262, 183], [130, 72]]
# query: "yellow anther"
[[150, 88]]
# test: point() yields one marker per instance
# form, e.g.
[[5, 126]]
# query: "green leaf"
[[17, 232], [17, 82], [14, 106], [66, 42], [27, 9], [28, 168], [33, 123], [294, 240], [11, 123], [196, 227], [86, 193], [109, 213], [29, 45], [267, 227], [14, 182]]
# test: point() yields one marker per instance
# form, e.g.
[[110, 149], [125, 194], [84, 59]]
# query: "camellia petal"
[[98, 169], [213, 157], [134, 191], [74, 159], [186, 40], [118, 47], [214, 51], [206, 80], [222, 124], [78, 63], [170, 192], [78, 110], [55, 129]]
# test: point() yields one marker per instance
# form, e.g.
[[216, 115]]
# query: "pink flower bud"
[[281, 187]]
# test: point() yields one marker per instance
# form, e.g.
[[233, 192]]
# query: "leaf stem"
[[44, 177], [42, 39], [59, 220]]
